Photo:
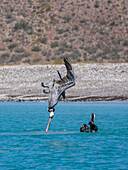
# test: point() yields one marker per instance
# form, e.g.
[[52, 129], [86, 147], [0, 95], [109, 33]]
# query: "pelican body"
[[58, 87]]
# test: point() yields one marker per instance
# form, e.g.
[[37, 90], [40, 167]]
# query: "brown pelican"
[[59, 87], [93, 128], [84, 128]]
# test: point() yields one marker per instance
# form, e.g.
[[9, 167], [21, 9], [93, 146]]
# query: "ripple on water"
[[25, 145]]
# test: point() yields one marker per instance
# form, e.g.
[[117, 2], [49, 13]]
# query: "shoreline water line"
[[69, 99]]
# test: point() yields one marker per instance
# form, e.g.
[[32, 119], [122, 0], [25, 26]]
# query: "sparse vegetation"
[[47, 6], [4, 58], [43, 40], [27, 61], [125, 43], [8, 16], [36, 49], [91, 50], [58, 61], [8, 40], [83, 20], [112, 23], [18, 57], [96, 4], [19, 50], [109, 1], [60, 31], [36, 60], [11, 46], [76, 28], [67, 18], [54, 44], [21, 25], [85, 56], [53, 30]]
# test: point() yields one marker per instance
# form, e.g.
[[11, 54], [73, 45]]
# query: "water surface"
[[25, 145]]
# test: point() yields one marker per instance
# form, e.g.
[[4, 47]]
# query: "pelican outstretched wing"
[[59, 86]]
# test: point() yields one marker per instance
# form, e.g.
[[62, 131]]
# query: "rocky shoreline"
[[94, 82]]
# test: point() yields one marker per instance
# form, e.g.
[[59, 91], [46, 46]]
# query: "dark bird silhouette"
[[93, 128], [84, 128], [58, 87]]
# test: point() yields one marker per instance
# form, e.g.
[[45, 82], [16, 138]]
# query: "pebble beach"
[[94, 82]]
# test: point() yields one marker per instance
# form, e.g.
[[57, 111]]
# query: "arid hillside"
[[44, 31]]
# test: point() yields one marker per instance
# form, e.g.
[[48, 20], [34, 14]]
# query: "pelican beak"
[[50, 118], [48, 124]]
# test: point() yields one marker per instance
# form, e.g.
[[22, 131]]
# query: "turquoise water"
[[25, 145]]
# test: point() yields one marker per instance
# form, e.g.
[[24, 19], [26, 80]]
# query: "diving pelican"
[[58, 88]]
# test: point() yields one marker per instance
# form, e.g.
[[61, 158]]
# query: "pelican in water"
[[93, 128], [58, 88]]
